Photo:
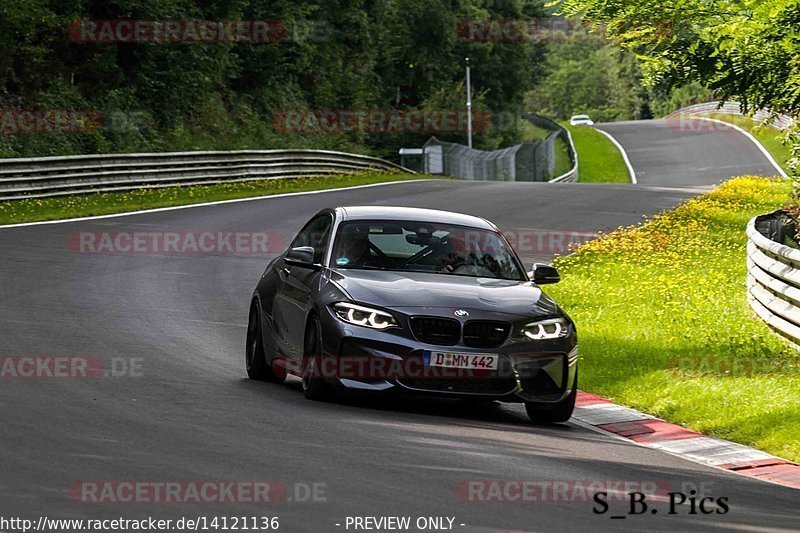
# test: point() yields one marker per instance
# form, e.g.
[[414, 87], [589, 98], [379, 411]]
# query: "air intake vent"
[[485, 333], [435, 330]]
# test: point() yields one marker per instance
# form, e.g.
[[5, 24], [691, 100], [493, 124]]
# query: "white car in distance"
[[580, 120]]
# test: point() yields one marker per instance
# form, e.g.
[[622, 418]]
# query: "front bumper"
[[362, 358]]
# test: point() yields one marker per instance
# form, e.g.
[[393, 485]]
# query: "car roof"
[[580, 116], [378, 212]]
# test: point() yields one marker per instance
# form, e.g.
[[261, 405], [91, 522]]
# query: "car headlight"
[[359, 315], [554, 328]]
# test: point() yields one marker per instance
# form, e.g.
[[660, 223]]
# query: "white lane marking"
[[624, 154], [206, 204], [749, 136], [712, 451], [686, 188], [217, 323]]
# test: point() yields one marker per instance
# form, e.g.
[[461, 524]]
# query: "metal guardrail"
[[773, 277], [732, 108], [563, 133], [42, 177]]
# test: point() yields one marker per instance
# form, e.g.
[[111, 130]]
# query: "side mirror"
[[302, 256], [543, 274]]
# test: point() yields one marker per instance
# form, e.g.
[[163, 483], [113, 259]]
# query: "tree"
[[588, 74], [745, 50], [335, 55]]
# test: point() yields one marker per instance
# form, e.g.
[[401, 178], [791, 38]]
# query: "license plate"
[[472, 361]]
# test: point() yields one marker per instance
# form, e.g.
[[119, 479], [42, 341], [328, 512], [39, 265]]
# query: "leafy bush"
[[336, 55]]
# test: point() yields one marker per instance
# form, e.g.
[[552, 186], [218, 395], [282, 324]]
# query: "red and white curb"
[[646, 430]]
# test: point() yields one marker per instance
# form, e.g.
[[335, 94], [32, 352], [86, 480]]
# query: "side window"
[[315, 234]]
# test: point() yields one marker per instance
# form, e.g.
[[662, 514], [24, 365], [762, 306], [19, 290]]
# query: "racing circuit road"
[[189, 413], [687, 151]]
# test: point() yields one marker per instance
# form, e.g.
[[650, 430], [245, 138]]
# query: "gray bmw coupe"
[[396, 299]]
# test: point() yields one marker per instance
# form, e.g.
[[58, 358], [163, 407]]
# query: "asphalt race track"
[[187, 413], [687, 151]]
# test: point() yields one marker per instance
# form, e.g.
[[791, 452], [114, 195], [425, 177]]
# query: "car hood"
[[419, 289]]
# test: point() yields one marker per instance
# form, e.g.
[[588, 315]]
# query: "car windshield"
[[406, 246]]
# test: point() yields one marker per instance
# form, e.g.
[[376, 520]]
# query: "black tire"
[[314, 385], [554, 412], [256, 363]]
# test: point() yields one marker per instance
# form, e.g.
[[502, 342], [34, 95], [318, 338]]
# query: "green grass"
[[665, 327], [532, 133], [563, 164], [769, 136], [598, 159], [15, 211]]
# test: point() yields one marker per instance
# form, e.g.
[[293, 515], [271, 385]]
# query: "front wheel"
[[555, 412], [314, 385], [255, 361]]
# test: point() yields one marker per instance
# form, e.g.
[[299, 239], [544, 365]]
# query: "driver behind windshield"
[[453, 249], [461, 254], [354, 249]]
